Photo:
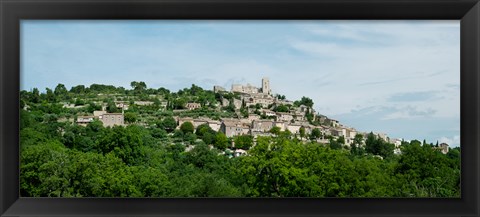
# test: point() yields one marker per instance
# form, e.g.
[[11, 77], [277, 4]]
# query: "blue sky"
[[397, 77]]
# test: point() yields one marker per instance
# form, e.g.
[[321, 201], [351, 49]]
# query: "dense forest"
[[153, 157]]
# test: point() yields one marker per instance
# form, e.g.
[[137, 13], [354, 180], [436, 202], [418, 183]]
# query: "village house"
[[303, 109], [112, 119], [192, 106], [281, 124], [237, 103], [269, 113], [121, 105], [143, 103], [233, 128], [347, 133], [215, 125], [443, 147], [294, 128], [283, 116], [262, 100], [253, 117], [308, 128], [84, 120], [262, 125], [396, 142], [97, 114]]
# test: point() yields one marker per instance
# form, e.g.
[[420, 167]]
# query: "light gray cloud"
[[415, 96]]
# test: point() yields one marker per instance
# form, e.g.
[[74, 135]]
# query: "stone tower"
[[265, 86]]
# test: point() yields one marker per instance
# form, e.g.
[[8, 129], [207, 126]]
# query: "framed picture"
[[247, 108]]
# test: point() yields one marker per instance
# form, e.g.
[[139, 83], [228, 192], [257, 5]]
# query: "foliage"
[[243, 141], [304, 101], [168, 124], [187, 127], [59, 158]]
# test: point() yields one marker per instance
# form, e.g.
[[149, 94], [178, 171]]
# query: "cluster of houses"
[[255, 125], [108, 119], [251, 95]]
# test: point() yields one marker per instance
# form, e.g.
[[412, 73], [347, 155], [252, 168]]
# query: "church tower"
[[265, 86]]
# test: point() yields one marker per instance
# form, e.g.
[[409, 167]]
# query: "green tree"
[[202, 129], [316, 133], [79, 89], [35, 95], [243, 141], [112, 108], [304, 101], [138, 86], [130, 117], [302, 132], [61, 91], [335, 144], [187, 127], [377, 146], [275, 130], [281, 108], [221, 141], [168, 124], [356, 146], [50, 96]]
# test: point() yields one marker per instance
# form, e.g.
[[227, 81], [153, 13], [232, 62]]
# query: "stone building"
[[266, 86], [444, 148], [143, 103], [192, 106], [294, 128], [215, 125], [262, 125], [283, 116], [237, 103], [97, 114], [112, 119], [233, 128], [253, 117], [250, 89], [84, 120], [217, 89], [281, 124]]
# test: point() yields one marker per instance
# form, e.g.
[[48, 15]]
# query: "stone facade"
[[84, 120], [192, 106], [233, 128], [217, 89], [112, 119], [266, 86], [99, 113]]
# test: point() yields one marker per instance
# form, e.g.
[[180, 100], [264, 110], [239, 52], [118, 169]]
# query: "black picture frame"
[[12, 11]]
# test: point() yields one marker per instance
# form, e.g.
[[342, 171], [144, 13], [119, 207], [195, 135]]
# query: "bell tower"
[[265, 86]]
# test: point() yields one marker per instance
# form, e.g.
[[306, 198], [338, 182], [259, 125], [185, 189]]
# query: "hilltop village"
[[108, 141], [257, 112]]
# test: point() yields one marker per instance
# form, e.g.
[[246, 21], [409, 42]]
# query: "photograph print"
[[240, 109]]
